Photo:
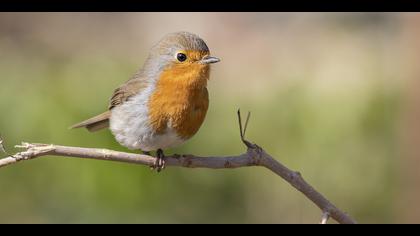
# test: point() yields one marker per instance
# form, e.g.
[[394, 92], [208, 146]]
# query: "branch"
[[254, 156]]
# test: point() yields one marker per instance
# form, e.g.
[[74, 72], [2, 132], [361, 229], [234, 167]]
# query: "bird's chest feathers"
[[180, 100]]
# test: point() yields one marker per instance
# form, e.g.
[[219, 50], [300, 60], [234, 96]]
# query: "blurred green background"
[[334, 96]]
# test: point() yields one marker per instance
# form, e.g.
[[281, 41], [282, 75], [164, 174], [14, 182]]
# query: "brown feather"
[[95, 123], [130, 88], [98, 125]]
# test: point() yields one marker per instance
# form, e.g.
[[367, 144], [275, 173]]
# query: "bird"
[[165, 102]]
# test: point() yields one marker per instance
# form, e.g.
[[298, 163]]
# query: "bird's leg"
[[160, 161]]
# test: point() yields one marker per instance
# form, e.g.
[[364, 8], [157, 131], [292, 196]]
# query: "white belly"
[[130, 125]]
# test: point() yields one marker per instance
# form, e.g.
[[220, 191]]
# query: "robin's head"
[[180, 51]]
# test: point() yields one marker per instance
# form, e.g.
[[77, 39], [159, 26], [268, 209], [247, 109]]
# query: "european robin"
[[165, 102]]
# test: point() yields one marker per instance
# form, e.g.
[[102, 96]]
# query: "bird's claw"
[[159, 163]]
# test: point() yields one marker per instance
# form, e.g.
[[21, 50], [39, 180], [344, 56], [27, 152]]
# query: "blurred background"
[[334, 96]]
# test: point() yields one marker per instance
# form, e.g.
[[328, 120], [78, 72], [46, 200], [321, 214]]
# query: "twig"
[[254, 156], [324, 218], [1, 144], [2, 148], [242, 131]]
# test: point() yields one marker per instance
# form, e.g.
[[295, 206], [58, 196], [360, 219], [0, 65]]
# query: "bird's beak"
[[209, 60]]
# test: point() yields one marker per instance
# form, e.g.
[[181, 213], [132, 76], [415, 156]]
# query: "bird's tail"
[[95, 123]]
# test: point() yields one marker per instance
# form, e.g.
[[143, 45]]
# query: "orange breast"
[[180, 99]]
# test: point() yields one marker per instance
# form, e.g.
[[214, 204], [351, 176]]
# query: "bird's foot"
[[159, 164]]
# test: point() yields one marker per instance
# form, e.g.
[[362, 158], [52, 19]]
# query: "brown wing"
[[124, 92], [121, 94]]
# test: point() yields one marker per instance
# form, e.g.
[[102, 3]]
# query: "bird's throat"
[[180, 100]]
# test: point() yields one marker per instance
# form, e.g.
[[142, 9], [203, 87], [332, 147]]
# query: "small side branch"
[[2, 148], [324, 218]]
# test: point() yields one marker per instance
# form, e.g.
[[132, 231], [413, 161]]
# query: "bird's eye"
[[181, 57]]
